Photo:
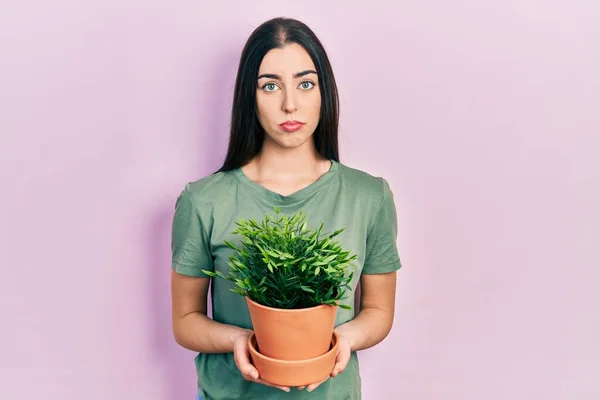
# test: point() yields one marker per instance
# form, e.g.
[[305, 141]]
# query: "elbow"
[[177, 333], [178, 338], [386, 323], [381, 322], [387, 329]]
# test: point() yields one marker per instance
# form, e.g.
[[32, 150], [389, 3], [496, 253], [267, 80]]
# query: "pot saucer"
[[293, 373]]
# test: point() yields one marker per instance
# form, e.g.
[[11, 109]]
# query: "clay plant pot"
[[293, 373], [296, 334]]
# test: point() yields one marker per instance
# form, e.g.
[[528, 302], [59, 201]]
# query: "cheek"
[[315, 108], [263, 108], [267, 107], [318, 106]]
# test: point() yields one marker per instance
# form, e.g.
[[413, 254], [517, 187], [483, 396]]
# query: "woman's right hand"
[[241, 355]]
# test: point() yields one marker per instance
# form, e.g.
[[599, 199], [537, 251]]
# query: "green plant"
[[284, 264]]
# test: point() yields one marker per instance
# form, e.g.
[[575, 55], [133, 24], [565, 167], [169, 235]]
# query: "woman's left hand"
[[341, 361]]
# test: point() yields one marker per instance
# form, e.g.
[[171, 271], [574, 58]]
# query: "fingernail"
[[255, 375]]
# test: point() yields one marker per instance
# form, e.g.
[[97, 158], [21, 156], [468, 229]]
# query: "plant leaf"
[[281, 259]]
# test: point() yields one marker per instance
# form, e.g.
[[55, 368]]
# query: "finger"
[[300, 387], [341, 362], [248, 371], [313, 386], [263, 382], [242, 360]]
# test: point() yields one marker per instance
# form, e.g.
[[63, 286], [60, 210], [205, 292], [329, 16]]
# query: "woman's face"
[[288, 90]]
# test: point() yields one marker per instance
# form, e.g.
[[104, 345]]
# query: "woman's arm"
[[377, 305], [192, 328], [195, 331], [373, 322]]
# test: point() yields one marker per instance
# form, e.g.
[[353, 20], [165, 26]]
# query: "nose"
[[289, 101]]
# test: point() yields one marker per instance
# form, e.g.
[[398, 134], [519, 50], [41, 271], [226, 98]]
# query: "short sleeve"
[[382, 249], [189, 241]]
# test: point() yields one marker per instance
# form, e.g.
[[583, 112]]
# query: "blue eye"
[[306, 85], [269, 87]]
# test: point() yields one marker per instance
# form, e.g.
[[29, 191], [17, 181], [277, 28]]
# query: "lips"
[[291, 126]]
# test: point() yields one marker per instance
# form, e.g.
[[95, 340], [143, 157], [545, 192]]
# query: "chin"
[[290, 144], [290, 140]]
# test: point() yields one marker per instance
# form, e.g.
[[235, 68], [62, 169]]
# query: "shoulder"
[[364, 183], [210, 188]]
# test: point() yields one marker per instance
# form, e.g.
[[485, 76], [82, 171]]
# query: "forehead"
[[286, 61]]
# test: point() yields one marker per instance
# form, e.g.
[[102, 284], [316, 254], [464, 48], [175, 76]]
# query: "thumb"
[[242, 358], [253, 372], [246, 368], [341, 362]]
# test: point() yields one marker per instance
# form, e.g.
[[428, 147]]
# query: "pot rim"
[[334, 339], [291, 310]]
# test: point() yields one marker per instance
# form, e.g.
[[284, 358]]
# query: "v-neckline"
[[293, 197]]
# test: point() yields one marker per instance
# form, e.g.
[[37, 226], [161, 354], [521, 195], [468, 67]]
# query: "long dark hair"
[[247, 135]]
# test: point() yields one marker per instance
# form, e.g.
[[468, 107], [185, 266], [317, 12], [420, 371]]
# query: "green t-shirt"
[[205, 216]]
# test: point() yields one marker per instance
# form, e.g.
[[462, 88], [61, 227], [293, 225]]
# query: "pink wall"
[[484, 117]]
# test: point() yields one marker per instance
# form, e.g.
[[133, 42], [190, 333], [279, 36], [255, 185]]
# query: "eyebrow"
[[296, 75]]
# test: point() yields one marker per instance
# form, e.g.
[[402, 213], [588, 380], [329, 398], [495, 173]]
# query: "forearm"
[[367, 329], [199, 333]]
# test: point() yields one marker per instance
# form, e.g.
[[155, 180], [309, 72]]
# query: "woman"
[[283, 152]]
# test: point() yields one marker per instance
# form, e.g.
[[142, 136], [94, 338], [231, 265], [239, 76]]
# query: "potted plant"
[[293, 279]]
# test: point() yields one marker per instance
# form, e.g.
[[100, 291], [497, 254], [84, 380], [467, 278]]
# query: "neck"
[[275, 162]]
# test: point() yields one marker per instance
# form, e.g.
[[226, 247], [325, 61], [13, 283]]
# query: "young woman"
[[283, 151]]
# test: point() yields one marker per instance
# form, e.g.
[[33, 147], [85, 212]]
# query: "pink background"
[[484, 117]]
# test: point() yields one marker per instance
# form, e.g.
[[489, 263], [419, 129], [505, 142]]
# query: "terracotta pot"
[[298, 334], [294, 373]]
